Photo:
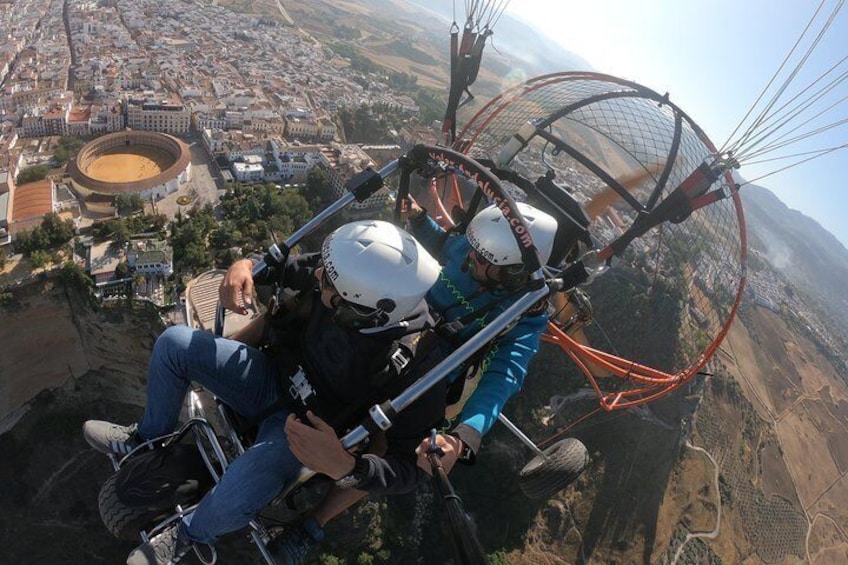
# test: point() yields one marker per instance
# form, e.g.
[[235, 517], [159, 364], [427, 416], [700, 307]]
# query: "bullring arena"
[[148, 164]]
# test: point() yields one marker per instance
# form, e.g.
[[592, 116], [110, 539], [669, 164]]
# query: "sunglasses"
[[344, 310]]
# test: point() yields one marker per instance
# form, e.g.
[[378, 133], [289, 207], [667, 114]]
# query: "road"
[[205, 186], [713, 534], [290, 21]]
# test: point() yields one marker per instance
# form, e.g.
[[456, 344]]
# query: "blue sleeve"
[[503, 371], [428, 233]]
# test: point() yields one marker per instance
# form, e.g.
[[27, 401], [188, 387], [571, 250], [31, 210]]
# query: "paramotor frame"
[[638, 166]]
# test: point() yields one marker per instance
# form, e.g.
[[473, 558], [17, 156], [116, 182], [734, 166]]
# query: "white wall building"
[[150, 258], [165, 116]]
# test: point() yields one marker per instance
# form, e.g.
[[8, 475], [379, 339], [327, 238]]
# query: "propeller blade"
[[607, 197]]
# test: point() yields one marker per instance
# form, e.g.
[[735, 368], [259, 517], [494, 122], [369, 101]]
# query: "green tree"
[[403, 81], [67, 148], [74, 275], [253, 212], [52, 233], [498, 558], [39, 258], [317, 189], [129, 203], [32, 174], [227, 258], [368, 125], [122, 271], [23, 241], [190, 237], [364, 559], [120, 234], [225, 236], [430, 103], [57, 231], [157, 222], [195, 259], [291, 211]]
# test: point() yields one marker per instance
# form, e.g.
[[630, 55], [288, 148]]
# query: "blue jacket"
[[455, 295]]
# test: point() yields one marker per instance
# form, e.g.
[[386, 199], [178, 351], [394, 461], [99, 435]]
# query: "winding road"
[[714, 532]]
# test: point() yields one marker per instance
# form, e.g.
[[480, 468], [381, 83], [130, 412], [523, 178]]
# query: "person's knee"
[[173, 341], [175, 337]]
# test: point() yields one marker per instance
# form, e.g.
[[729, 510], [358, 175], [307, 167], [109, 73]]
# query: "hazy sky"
[[714, 58]]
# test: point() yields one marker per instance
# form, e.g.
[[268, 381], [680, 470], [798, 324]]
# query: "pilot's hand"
[[410, 208], [236, 290], [451, 445], [318, 447]]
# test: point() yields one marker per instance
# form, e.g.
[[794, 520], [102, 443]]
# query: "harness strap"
[[450, 329]]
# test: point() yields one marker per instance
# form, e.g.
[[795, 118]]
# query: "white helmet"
[[490, 235], [379, 267]]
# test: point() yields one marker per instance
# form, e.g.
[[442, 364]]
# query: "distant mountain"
[[796, 245], [516, 39]]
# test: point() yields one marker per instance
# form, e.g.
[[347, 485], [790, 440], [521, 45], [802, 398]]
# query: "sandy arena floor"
[[143, 163]]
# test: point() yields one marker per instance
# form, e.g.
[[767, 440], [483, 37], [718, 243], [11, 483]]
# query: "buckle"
[[449, 329], [399, 359]]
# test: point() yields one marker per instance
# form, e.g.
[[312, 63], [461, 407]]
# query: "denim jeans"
[[249, 382]]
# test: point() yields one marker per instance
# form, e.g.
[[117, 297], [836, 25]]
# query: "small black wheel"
[[543, 477], [123, 521]]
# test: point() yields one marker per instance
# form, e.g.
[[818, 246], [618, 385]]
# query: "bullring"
[[149, 164]]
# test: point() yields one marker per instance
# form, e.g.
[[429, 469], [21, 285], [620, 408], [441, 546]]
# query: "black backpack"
[[149, 486], [164, 477]]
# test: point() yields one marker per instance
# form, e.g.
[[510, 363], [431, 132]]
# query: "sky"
[[715, 58]]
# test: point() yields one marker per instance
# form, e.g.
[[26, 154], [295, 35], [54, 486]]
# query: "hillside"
[[62, 364], [800, 249], [413, 37]]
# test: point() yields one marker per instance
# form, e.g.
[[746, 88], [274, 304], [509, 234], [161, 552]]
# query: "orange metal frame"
[[652, 383]]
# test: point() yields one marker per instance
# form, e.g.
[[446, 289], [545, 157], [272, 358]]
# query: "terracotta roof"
[[79, 115], [33, 199]]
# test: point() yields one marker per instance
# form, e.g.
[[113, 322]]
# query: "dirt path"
[[712, 534]]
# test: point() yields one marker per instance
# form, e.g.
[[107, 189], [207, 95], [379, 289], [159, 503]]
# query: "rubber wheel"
[[123, 521], [543, 477]]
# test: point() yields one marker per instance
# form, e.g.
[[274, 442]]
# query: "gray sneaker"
[[166, 548], [107, 437]]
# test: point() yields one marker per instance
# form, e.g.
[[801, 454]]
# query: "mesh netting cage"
[[623, 153]]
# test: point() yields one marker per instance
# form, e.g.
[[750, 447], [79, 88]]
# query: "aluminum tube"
[[388, 170], [520, 435], [452, 361], [464, 351], [322, 217]]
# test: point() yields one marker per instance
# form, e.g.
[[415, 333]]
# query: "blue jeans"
[[248, 381]]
